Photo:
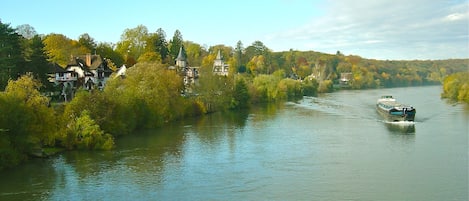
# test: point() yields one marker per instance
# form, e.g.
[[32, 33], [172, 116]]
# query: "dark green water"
[[334, 147]]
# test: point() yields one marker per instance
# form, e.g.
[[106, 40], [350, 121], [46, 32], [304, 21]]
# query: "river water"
[[331, 147]]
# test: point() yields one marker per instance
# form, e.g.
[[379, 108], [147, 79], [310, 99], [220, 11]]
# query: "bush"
[[310, 87], [82, 132], [325, 86]]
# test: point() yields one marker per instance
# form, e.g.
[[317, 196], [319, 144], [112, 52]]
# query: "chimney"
[[88, 59]]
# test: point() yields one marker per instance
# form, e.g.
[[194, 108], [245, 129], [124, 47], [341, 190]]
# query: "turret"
[[181, 61]]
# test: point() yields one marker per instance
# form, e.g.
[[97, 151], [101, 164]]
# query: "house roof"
[[55, 68], [80, 60], [218, 55], [181, 56]]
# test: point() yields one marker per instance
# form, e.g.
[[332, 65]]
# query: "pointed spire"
[[181, 56], [218, 55]]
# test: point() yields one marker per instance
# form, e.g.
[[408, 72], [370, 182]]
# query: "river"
[[331, 147]]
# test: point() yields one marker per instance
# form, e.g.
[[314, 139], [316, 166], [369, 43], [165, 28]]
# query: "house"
[[57, 74], [345, 78], [121, 71], [219, 66], [87, 71], [91, 71]]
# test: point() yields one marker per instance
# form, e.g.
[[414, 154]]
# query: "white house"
[[121, 71], [87, 71], [219, 66]]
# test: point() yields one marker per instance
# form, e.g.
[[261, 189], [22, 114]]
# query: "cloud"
[[387, 29]]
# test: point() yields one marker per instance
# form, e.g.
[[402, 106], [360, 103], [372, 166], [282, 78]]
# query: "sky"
[[375, 29]]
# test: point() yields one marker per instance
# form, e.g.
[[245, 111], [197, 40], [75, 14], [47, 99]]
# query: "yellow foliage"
[[456, 87]]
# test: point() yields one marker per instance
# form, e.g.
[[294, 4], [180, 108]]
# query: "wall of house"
[[78, 70]]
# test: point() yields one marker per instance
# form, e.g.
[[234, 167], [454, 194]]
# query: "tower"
[[181, 61], [219, 66]]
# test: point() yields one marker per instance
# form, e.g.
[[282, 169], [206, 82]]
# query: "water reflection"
[[29, 181], [138, 163]]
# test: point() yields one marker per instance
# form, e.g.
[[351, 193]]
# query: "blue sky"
[[379, 29]]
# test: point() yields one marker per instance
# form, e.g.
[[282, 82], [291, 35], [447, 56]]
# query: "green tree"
[[175, 44], [239, 56], [256, 48], [325, 86], [133, 44], [214, 91], [26, 120], [149, 57], [161, 45], [151, 91], [82, 132], [310, 87], [11, 57], [289, 89], [85, 40], [240, 95], [37, 61], [106, 50], [264, 88]]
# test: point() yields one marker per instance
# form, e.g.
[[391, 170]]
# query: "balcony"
[[65, 78]]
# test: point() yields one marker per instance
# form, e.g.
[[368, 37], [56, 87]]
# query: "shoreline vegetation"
[[149, 96]]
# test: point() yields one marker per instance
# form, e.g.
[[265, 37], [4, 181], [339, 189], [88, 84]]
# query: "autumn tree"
[[59, 48], [207, 62], [456, 87], [194, 53], [259, 50], [257, 65], [149, 57]]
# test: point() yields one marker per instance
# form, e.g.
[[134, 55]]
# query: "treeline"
[[456, 87], [23, 50]]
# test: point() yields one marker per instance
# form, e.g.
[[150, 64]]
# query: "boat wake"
[[401, 127], [343, 109], [401, 123]]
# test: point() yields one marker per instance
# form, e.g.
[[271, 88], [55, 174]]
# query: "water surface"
[[332, 147]]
